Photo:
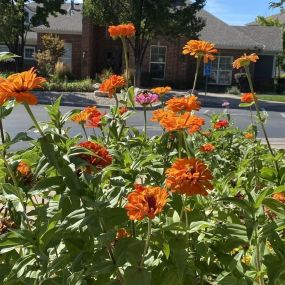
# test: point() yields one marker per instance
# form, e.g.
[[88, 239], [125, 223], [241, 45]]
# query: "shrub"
[[85, 85], [62, 72], [233, 90], [53, 49]]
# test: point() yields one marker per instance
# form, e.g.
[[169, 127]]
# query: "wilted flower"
[[245, 60], [200, 49], [146, 201], [19, 86], [146, 98], [122, 233], [221, 124], [123, 30], [111, 84], [184, 104], [247, 98], [100, 157], [189, 176], [207, 148]]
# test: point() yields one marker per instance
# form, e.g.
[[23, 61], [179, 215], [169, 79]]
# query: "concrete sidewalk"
[[278, 143]]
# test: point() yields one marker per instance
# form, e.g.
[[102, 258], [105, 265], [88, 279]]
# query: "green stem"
[[258, 258], [133, 229], [11, 173], [259, 115], [34, 119], [126, 60], [196, 74], [84, 130], [117, 104], [145, 123], [146, 242]]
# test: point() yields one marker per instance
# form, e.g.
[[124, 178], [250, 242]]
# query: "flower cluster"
[[123, 30], [178, 115], [200, 49], [90, 116], [146, 201], [19, 86], [111, 84], [189, 176], [100, 157], [146, 98]]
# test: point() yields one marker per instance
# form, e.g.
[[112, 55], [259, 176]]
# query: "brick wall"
[[76, 41]]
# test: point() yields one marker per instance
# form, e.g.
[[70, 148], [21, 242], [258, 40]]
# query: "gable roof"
[[69, 23], [270, 37], [225, 36]]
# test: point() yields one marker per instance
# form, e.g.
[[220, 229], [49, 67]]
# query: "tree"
[[14, 24], [53, 49], [151, 18], [274, 22], [277, 4]]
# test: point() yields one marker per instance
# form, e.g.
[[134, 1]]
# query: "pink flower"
[[146, 98]]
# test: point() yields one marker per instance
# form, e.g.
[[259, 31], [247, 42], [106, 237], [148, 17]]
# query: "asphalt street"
[[19, 121]]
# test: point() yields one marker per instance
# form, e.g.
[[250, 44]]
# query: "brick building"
[[89, 50]]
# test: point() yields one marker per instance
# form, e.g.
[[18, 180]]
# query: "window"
[[3, 48], [29, 52], [157, 62], [221, 70], [67, 57]]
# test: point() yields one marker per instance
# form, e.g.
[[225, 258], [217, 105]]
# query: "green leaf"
[[131, 96], [240, 203], [137, 276], [6, 56], [244, 105], [275, 206], [15, 195]]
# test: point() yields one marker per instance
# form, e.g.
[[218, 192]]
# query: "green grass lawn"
[[272, 97]]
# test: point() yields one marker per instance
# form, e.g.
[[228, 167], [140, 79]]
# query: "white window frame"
[[218, 70], [29, 47], [155, 62]]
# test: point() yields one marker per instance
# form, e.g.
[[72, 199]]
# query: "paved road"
[[19, 120]]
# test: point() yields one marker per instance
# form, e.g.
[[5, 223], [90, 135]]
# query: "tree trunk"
[[138, 72]]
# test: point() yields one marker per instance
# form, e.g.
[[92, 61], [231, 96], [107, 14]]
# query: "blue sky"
[[239, 12]]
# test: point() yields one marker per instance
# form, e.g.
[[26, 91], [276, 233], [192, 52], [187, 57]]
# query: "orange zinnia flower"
[[18, 86], [161, 90], [101, 157], [249, 136], [111, 84], [90, 116], [23, 168], [180, 122], [245, 60], [207, 148], [159, 114], [247, 98], [123, 30], [184, 104], [146, 201], [189, 176], [200, 49]]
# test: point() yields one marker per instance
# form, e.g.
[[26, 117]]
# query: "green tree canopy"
[[151, 18], [14, 24]]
